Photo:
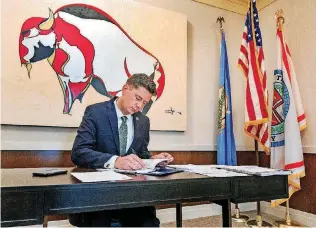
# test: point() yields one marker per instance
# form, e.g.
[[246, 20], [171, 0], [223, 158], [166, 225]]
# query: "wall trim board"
[[307, 219], [198, 211], [188, 212], [43, 145], [235, 6]]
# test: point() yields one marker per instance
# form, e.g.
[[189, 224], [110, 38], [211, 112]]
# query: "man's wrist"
[[110, 164]]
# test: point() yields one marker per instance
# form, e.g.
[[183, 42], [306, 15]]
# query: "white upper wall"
[[203, 73]]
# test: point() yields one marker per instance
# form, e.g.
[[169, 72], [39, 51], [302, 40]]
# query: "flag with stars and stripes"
[[251, 62]]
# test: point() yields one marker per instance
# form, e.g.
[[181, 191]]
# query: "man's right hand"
[[129, 162]]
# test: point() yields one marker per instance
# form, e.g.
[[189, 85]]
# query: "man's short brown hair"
[[142, 80]]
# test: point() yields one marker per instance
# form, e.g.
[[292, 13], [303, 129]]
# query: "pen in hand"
[[141, 162], [129, 161], [125, 171]]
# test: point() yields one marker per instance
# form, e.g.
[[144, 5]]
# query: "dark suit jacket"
[[97, 138]]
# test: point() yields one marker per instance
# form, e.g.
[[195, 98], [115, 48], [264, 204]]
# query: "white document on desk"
[[215, 172], [208, 170], [108, 175]]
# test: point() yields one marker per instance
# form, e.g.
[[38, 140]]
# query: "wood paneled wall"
[[35, 159], [303, 200]]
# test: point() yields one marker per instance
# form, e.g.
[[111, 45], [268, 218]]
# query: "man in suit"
[[115, 134]]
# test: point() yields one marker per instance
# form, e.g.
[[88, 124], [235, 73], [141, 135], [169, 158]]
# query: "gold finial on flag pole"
[[220, 20], [279, 18]]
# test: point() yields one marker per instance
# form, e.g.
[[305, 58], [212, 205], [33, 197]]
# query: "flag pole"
[[287, 223], [258, 222], [237, 217]]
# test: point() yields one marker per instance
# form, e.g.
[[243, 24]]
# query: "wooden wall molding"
[[236, 6]]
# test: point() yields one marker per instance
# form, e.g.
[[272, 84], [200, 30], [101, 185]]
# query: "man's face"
[[134, 99]]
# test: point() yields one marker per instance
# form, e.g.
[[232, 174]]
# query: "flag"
[[226, 148], [288, 119], [251, 62]]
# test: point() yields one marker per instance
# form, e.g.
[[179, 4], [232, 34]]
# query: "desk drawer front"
[[21, 207], [261, 188], [133, 195]]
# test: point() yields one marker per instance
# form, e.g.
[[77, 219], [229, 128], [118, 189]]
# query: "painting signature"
[[172, 111]]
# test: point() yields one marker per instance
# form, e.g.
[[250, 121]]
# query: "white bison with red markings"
[[85, 46]]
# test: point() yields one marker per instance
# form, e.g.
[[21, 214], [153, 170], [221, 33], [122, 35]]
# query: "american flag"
[[251, 62]]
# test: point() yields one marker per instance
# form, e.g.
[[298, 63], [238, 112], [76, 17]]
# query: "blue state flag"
[[226, 148]]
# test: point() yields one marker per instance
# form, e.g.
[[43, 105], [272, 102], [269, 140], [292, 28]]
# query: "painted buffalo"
[[86, 46]]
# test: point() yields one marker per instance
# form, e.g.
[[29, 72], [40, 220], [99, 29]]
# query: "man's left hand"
[[164, 156]]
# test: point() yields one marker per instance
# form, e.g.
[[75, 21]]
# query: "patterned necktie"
[[123, 135]]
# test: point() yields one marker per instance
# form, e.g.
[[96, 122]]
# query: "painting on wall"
[[59, 57]]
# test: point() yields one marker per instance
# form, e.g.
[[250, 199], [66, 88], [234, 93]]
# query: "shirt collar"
[[119, 112]]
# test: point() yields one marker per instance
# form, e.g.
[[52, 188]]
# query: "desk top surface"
[[22, 177]]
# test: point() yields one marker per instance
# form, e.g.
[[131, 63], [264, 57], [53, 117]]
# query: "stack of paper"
[[208, 170], [215, 172], [256, 170], [100, 176], [226, 170], [194, 168]]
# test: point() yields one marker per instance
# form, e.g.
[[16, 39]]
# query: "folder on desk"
[[163, 171], [152, 172]]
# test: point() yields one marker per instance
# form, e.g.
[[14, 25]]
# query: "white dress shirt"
[[130, 133]]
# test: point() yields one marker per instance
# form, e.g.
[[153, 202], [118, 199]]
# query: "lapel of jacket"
[[113, 121], [137, 125]]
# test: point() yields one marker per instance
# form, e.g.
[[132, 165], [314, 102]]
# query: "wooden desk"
[[26, 199]]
